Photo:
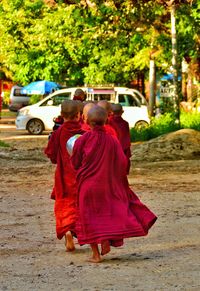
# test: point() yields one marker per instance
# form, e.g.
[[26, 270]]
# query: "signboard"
[[167, 91]]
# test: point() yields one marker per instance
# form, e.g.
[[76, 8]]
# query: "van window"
[[97, 94], [98, 97], [17, 92], [128, 100], [58, 99]]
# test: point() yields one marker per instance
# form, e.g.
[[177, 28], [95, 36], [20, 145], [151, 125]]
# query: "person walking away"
[[108, 210], [65, 188], [122, 129], [107, 106]]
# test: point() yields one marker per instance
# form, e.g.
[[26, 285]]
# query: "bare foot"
[[105, 247], [69, 242], [95, 260]]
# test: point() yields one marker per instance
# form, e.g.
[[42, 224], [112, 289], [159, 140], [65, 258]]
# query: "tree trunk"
[[174, 64], [152, 82]]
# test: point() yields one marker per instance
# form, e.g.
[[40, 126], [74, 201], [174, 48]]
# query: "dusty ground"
[[33, 259]]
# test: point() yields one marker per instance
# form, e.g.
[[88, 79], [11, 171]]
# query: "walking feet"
[[105, 247], [69, 242], [96, 258]]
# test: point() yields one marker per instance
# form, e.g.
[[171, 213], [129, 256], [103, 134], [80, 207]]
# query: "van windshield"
[[129, 100], [57, 99]]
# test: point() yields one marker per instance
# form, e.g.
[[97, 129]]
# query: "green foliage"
[[99, 42], [6, 98], [34, 99], [190, 120], [165, 124], [3, 144]]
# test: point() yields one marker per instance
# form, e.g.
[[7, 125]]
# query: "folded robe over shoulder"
[[107, 208], [65, 187]]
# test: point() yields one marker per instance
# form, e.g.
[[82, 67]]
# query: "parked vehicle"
[[17, 100], [39, 117]]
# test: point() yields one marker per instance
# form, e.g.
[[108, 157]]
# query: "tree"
[[86, 41]]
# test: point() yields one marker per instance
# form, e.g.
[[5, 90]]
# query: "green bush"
[[190, 120], [164, 124]]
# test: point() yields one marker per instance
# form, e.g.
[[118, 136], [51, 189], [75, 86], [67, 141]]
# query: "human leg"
[[69, 242], [105, 247], [96, 258]]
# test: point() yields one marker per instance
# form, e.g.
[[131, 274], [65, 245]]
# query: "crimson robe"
[[121, 127], [108, 128], [107, 208], [65, 187]]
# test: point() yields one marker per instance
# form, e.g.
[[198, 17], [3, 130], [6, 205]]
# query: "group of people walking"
[[93, 200]]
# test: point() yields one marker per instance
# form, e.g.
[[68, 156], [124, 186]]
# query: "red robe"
[[65, 187], [107, 208], [121, 127], [109, 129]]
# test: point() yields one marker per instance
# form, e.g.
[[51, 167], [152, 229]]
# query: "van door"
[[134, 111]]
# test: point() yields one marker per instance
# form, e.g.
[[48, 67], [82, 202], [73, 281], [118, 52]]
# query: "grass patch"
[[3, 144], [8, 113], [165, 124]]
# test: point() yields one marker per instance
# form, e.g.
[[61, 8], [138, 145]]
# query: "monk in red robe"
[[121, 127], [108, 210], [65, 188], [80, 95], [85, 126], [107, 106]]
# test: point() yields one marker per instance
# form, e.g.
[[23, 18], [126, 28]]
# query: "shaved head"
[[105, 104], [69, 109], [117, 109], [86, 109], [79, 94], [97, 116]]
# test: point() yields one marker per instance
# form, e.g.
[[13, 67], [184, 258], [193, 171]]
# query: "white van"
[[17, 100], [39, 117]]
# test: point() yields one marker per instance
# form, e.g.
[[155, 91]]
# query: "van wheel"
[[141, 124], [35, 126]]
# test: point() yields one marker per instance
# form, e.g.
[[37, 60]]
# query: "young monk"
[[107, 106], [80, 95], [85, 126], [65, 189], [108, 211], [121, 127]]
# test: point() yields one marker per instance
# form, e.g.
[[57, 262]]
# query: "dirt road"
[[33, 259]]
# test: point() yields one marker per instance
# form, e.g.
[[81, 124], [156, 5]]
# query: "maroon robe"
[[85, 126], [121, 127], [65, 187], [109, 129], [107, 208]]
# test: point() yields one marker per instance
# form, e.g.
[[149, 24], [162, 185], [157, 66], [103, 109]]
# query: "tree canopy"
[[77, 42]]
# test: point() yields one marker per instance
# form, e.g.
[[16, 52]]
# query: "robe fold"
[[65, 187], [107, 208]]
